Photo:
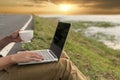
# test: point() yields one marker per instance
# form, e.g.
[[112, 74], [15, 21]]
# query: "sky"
[[53, 6]]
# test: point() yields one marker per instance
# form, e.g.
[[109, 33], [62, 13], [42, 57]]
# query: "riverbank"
[[94, 59]]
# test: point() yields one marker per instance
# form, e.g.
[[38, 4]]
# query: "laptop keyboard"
[[46, 55]]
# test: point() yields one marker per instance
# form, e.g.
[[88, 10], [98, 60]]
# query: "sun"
[[65, 7]]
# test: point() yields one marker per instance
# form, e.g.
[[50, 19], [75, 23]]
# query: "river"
[[111, 35]]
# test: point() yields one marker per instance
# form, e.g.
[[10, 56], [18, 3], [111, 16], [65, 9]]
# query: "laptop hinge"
[[53, 54]]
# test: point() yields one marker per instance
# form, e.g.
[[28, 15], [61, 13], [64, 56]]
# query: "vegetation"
[[85, 24], [93, 58]]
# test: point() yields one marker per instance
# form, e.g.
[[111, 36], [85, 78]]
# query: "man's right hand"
[[26, 56], [14, 37]]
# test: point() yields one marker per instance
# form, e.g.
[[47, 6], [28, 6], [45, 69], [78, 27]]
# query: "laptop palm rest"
[[47, 55]]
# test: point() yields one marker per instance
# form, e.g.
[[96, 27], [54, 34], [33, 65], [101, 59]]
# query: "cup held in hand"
[[26, 35]]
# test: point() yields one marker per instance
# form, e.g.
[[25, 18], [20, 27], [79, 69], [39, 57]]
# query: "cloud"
[[107, 4], [103, 4], [95, 6], [83, 6]]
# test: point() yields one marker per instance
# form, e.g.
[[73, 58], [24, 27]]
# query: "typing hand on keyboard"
[[26, 56]]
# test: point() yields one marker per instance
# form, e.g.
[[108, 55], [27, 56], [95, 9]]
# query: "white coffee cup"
[[26, 35]]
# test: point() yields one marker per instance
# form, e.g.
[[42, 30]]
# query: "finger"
[[35, 59], [33, 54], [17, 31], [37, 56]]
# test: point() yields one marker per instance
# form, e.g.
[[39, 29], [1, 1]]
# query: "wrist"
[[8, 39], [11, 59]]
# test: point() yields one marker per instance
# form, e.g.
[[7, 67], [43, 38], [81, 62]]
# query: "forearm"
[[5, 41], [5, 62]]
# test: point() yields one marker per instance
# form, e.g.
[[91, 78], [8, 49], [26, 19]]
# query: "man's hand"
[[14, 37], [26, 56]]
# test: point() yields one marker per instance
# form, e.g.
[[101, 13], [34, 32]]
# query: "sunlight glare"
[[65, 7]]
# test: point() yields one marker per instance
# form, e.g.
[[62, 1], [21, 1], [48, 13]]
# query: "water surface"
[[110, 36]]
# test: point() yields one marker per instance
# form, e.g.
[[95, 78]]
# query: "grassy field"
[[93, 58]]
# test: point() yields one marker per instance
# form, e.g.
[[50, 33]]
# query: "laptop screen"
[[59, 38]]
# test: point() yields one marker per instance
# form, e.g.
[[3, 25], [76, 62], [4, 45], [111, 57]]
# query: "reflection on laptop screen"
[[60, 38]]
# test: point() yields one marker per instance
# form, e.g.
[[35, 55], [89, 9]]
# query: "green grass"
[[93, 58]]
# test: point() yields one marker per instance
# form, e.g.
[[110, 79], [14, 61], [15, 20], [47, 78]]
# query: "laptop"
[[54, 52]]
